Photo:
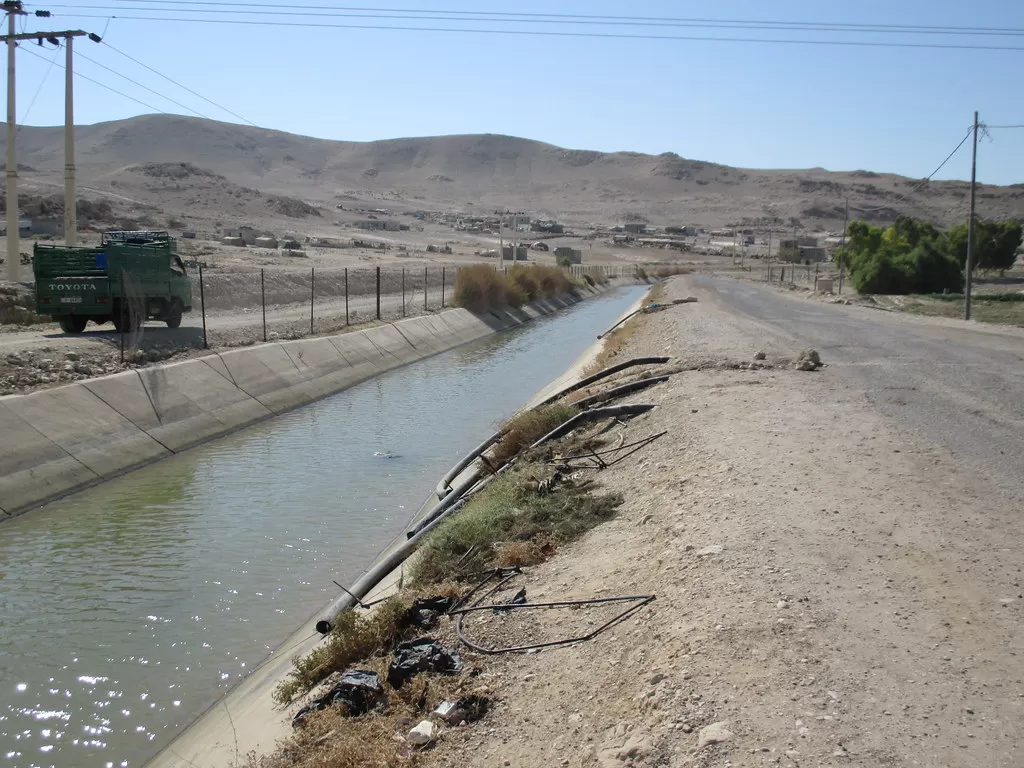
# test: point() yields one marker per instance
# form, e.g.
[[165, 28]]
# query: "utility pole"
[[970, 224], [70, 198], [842, 248], [14, 8]]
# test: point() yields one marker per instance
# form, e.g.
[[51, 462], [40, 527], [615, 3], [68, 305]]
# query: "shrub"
[[510, 510], [525, 278], [479, 288]]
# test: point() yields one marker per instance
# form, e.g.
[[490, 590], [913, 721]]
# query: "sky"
[[747, 104]]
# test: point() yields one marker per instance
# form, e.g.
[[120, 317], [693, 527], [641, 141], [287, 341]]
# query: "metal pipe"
[[587, 381]]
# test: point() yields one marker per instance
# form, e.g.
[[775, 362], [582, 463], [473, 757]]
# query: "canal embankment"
[[61, 440]]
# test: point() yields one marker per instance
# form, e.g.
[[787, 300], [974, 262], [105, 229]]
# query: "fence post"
[[425, 289], [378, 293], [312, 294], [403, 291], [816, 265], [202, 301], [263, 302], [346, 295], [121, 310], [442, 287]]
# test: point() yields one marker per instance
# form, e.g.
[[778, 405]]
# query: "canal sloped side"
[[63, 439]]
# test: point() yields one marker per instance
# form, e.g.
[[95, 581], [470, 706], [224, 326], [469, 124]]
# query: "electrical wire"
[[543, 33], [183, 87], [97, 82], [328, 12], [140, 85], [569, 17], [39, 89], [924, 181]]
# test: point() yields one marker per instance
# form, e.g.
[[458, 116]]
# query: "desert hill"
[[232, 170]]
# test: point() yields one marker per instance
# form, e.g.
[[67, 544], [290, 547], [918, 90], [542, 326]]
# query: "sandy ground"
[[833, 586]]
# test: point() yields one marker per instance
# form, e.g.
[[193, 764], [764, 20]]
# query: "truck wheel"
[[173, 318], [73, 323]]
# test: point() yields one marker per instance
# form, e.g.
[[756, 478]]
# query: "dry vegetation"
[[524, 429], [480, 288]]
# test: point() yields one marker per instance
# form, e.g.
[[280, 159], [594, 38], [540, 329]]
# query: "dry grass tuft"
[[526, 428]]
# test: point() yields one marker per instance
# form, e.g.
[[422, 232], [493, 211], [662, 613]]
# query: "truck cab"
[[129, 278]]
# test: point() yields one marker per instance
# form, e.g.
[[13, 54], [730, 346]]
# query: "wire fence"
[[241, 307]]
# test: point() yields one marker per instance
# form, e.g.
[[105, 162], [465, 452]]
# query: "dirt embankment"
[[829, 589]]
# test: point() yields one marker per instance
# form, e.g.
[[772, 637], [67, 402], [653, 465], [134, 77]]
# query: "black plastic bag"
[[421, 655], [357, 692]]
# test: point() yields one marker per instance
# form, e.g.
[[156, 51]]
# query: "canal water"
[[127, 609]]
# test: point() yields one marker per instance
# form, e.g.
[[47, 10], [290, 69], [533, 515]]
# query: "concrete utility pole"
[[842, 248], [13, 210], [970, 224], [13, 8], [70, 198]]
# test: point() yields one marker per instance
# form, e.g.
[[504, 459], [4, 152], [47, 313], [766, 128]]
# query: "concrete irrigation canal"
[[130, 607]]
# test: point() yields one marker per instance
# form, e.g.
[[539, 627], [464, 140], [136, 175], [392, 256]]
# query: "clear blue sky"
[[747, 104]]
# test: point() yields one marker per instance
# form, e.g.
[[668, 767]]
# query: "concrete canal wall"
[[60, 440]]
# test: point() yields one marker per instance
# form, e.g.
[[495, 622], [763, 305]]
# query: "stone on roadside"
[[72, 356], [809, 360], [714, 549], [716, 733], [760, 356], [423, 733]]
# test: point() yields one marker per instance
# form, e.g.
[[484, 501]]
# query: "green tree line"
[[914, 256]]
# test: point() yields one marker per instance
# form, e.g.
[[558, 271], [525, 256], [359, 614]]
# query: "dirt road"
[[836, 555]]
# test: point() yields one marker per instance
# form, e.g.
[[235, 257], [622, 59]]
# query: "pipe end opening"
[[323, 626]]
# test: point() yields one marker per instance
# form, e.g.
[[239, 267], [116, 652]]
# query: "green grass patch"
[[509, 512], [984, 308]]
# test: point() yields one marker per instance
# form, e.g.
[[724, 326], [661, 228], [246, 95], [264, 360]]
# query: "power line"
[[39, 89], [1001, 127], [923, 182], [183, 87], [140, 85], [543, 33], [29, 50], [328, 12], [570, 16]]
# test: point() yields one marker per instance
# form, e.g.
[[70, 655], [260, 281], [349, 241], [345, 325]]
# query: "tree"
[[995, 243]]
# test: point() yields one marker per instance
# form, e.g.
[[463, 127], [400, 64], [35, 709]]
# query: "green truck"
[[129, 278]]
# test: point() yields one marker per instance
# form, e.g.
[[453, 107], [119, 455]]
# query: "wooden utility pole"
[[842, 248], [970, 224]]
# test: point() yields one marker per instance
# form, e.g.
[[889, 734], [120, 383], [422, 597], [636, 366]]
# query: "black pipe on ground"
[[586, 382], [621, 391], [593, 414]]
